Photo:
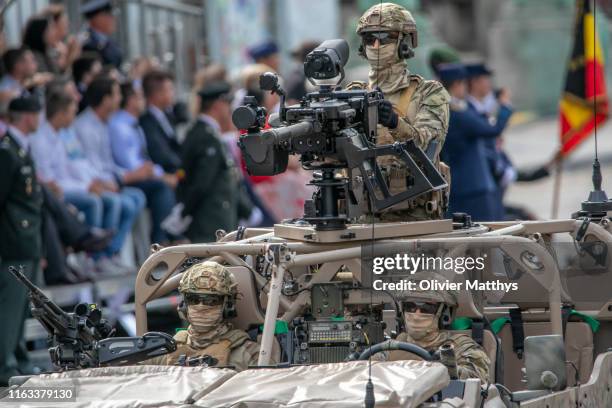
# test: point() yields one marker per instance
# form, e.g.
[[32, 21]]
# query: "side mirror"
[[545, 362]]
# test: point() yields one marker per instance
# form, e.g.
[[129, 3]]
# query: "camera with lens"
[[334, 132]]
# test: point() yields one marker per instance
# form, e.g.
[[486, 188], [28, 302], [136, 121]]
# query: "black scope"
[[250, 115], [327, 60]]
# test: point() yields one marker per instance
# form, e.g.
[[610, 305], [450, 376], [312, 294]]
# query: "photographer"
[[414, 108]]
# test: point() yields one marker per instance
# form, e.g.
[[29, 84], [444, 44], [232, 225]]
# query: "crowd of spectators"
[[107, 139]]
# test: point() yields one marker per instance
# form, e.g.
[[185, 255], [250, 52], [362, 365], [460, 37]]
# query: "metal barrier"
[[169, 30]]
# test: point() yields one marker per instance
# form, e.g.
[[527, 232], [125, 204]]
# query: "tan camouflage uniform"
[[423, 109], [471, 359], [231, 347]]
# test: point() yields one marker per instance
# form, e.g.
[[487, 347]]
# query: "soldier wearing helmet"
[[209, 293], [414, 108], [425, 313]]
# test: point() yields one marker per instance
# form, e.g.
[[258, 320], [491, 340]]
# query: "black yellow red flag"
[[584, 103]]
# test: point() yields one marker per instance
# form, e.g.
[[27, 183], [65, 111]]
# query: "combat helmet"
[[208, 278], [429, 293], [389, 17]]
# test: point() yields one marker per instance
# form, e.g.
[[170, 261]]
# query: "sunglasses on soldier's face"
[[385, 37], [207, 300], [423, 307]]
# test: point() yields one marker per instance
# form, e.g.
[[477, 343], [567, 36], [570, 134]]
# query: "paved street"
[[532, 144]]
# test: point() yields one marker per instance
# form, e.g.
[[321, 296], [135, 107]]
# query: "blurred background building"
[[525, 42]]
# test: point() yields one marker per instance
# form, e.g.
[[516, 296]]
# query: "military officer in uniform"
[[211, 191], [209, 294], [474, 190], [414, 108], [102, 25], [20, 226], [424, 313]]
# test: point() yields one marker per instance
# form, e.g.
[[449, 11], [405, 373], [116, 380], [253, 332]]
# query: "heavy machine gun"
[[334, 132], [81, 339]]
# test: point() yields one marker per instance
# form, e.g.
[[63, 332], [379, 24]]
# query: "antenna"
[[370, 399], [598, 204]]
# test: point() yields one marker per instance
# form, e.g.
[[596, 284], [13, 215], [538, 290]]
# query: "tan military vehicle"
[[288, 272], [321, 292]]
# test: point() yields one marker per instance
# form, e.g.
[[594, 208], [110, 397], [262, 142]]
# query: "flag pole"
[[558, 161]]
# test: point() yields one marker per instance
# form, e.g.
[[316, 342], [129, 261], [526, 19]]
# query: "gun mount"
[[82, 339], [335, 134]]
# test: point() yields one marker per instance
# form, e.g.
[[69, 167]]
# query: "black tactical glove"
[[386, 115]]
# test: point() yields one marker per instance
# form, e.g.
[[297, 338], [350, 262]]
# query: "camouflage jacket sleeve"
[[431, 120], [472, 361], [244, 355]]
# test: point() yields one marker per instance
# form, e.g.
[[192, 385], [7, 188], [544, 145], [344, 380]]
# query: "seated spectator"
[[19, 69], [62, 84], [75, 180], [91, 127], [162, 141], [84, 70], [66, 48], [130, 153], [40, 37]]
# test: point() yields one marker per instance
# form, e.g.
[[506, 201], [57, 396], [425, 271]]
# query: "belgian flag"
[[584, 103]]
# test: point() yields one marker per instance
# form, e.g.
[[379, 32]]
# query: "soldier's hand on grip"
[[386, 115]]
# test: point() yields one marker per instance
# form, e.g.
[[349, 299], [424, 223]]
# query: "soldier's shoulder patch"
[[356, 85]]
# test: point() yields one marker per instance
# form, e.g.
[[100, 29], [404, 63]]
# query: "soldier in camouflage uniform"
[[209, 292], [422, 312], [414, 108]]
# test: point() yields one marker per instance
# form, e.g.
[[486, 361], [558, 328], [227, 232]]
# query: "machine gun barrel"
[[282, 136], [38, 298]]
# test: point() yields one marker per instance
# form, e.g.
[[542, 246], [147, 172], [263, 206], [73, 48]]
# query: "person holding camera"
[[209, 295], [413, 109]]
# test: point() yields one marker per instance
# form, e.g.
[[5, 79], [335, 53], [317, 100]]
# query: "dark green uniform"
[[211, 190], [20, 244]]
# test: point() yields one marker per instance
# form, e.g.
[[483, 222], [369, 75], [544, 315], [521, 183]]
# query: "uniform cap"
[[477, 69], [263, 50], [451, 72], [25, 104], [214, 90], [93, 7]]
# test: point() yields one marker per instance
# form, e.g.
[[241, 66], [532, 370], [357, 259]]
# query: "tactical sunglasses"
[[384, 37], [423, 307], [207, 300]]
